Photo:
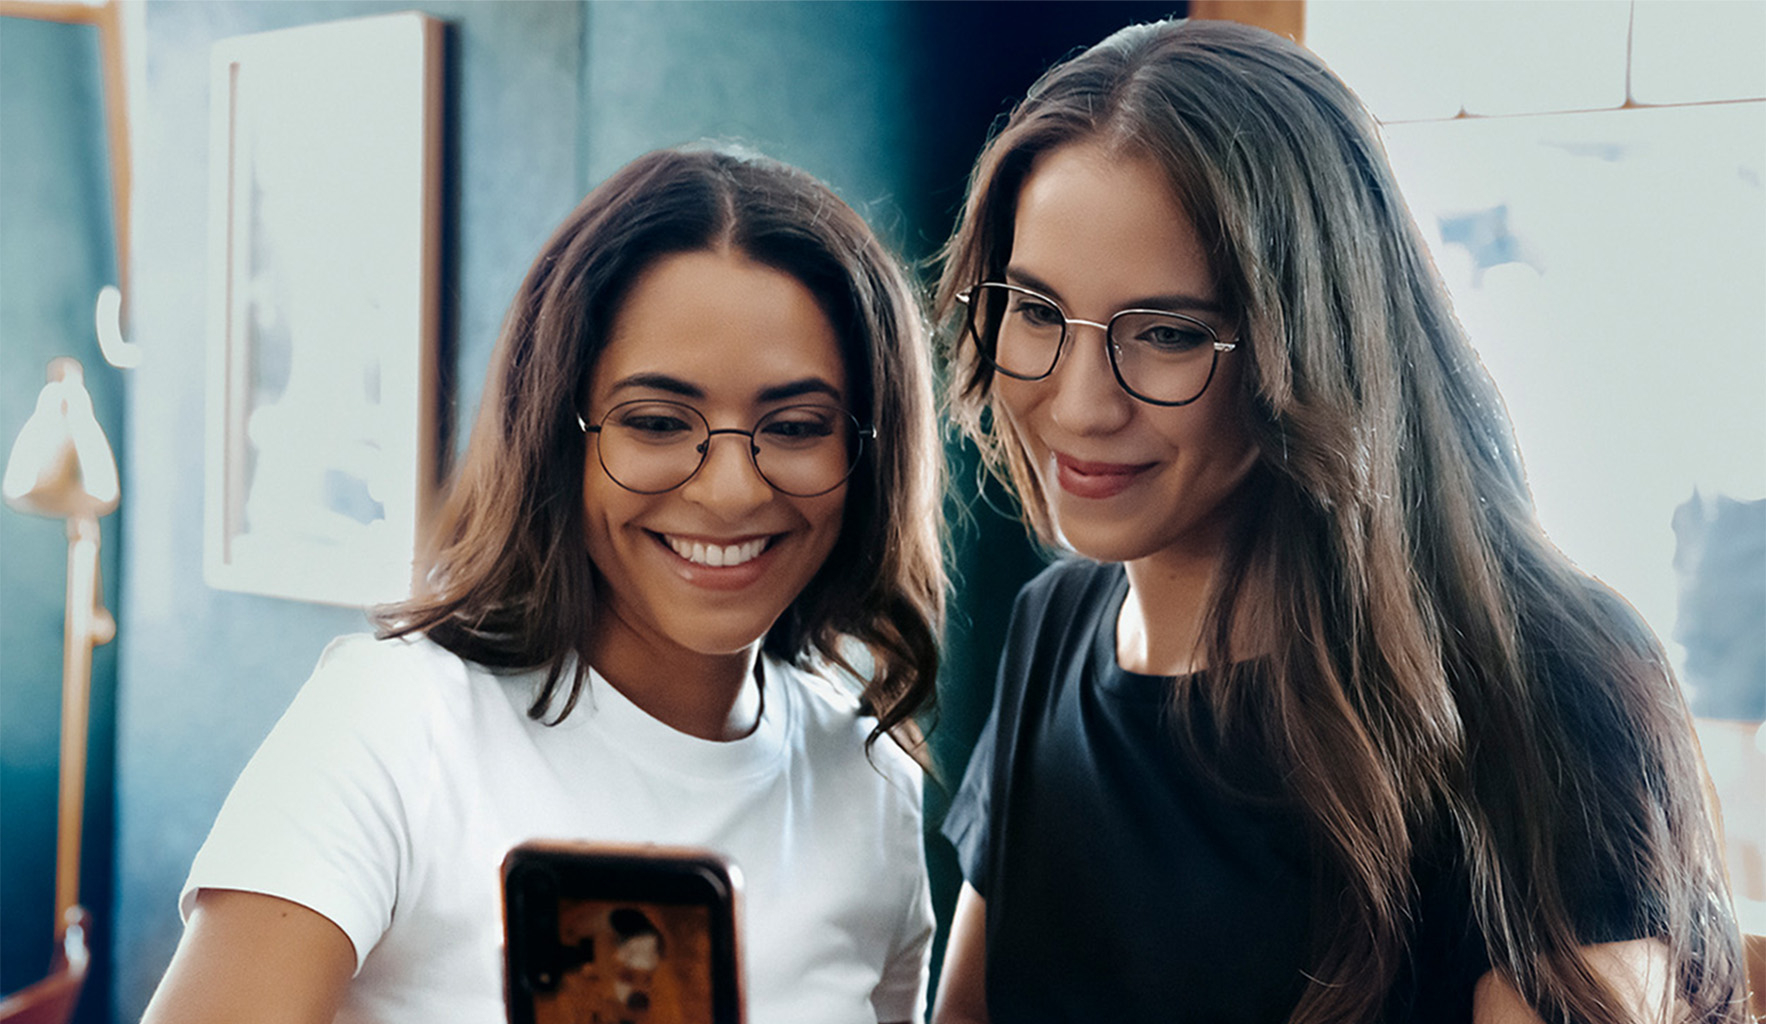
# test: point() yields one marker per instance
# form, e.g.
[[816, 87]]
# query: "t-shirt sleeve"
[[901, 992], [970, 822], [967, 824], [321, 814]]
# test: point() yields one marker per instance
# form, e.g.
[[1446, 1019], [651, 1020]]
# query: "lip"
[[718, 577], [1084, 478]]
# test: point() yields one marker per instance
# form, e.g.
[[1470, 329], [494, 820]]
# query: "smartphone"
[[597, 933]]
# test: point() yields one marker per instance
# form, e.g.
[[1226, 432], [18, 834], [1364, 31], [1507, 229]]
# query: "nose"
[[728, 484], [1087, 397]]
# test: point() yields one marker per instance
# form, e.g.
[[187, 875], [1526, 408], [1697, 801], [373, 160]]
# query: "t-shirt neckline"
[[1111, 677], [667, 750]]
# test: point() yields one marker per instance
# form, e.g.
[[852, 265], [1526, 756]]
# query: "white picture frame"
[[324, 300]]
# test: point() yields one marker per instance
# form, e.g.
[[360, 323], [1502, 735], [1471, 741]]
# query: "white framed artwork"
[[324, 264]]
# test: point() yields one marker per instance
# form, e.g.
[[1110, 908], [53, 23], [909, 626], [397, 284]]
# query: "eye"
[[1166, 334], [655, 422], [799, 425], [1036, 312]]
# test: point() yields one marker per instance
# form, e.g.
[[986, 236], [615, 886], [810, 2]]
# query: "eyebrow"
[[1175, 301], [686, 389], [800, 388], [657, 382]]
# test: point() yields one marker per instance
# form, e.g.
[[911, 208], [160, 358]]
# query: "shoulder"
[[1595, 656], [1068, 585], [833, 728], [403, 656], [370, 686], [365, 668], [1570, 616], [1059, 612], [822, 706]]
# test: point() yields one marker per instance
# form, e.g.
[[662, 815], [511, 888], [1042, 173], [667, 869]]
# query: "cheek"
[[1224, 451], [1025, 464], [826, 520], [1219, 421], [1012, 410], [1235, 418], [1014, 399], [827, 516], [605, 506]]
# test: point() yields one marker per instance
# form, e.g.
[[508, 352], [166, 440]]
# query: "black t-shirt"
[[1122, 883]]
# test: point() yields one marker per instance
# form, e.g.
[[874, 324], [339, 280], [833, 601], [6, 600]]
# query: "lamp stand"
[[88, 625]]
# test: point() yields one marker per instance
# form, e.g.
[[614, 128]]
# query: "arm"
[[962, 988], [247, 958], [1637, 972]]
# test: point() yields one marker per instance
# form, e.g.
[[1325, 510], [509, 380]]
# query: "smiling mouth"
[[717, 556], [1086, 479]]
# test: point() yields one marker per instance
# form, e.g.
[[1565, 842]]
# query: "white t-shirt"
[[389, 792]]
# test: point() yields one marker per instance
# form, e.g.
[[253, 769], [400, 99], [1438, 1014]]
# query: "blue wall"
[[885, 101], [56, 251], [205, 673]]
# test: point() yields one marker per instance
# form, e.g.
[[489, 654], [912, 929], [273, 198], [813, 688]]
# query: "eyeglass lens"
[[800, 450], [1163, 357]]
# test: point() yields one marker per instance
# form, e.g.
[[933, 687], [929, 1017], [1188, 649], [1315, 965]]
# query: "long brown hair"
[[1439, 677], [510, 584]]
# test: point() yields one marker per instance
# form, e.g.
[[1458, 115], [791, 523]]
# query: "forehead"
[[728, 326], [1103, 226]]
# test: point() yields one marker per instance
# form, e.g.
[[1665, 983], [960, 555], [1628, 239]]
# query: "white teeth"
[[716, 555]]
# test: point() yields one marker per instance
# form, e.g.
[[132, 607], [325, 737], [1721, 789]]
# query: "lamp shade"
[[61, 466]]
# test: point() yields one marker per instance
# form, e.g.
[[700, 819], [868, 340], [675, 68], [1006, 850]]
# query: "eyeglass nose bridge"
[[704, 450], [704, 447], [1111, 348]]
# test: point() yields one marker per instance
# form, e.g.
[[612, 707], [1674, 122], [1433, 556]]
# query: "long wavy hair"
[[1433, 677], [510, 584]]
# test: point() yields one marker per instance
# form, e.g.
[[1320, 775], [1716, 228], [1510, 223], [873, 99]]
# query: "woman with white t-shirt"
[[703, 484]]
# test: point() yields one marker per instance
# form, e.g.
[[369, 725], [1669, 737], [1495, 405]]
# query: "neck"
[[1160, 629], [710, 696]]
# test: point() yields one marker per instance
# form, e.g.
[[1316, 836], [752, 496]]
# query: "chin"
[[707, 635], [1100, 542], [1102, 551]]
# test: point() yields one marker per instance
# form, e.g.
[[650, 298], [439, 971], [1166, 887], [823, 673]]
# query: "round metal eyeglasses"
[[651, 446], [1159, 357]]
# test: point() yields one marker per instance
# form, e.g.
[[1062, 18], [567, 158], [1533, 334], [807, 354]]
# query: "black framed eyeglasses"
[[1159, 357], [650, 446]]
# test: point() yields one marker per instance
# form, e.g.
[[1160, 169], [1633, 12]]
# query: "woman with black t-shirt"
[[1321, 727]]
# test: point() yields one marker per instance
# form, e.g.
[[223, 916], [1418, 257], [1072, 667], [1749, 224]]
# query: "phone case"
[[598, 933]]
